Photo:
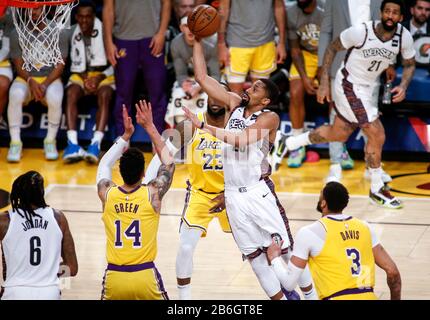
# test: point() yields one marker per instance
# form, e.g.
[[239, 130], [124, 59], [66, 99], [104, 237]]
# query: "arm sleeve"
[[104, 170], [326, 32], [288, 277], [375, 239], [303, 243], [353, 36], [408, 50]]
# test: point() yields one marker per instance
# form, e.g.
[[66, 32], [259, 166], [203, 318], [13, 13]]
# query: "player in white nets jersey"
[[254, 211], [34, 238], [372, 48]]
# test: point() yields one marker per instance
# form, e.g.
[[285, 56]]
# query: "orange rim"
[[34, 3]]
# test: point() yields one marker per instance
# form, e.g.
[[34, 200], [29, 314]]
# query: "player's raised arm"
[[210, 85], [104, 170]]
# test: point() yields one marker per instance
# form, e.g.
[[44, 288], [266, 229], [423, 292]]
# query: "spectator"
[[91, 75], [6, 75], [186, 91], [304, 22], [138, 28], [246, 39], [43, 86], [418, 24], [183, 8]]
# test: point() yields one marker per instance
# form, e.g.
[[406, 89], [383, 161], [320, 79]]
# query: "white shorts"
[[255, 214], [31, 293], [6, 72], [355, 104]]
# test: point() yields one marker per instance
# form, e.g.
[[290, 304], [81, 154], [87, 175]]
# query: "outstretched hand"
[[144, 114], [128, 124], [192, 117]]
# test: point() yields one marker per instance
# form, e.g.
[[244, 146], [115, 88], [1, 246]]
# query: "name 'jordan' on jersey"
[[245, 165], [32, 250], [368, 56]]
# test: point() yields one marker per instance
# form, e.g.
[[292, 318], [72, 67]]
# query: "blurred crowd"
[[116, 50]]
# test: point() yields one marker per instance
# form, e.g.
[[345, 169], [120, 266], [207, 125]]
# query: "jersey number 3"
[[132, 232], [354, 255]]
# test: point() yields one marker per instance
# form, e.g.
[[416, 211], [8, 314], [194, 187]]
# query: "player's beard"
[[319, 209], [387, 27], [245, 100], [216, 114]]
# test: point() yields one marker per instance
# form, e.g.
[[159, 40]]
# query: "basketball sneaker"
[[279, 150], [385, 199], [291, 295], [92, 154], [50, 149], [386, 178], [296, 157], [346, 161], [15, 151], [73, 153]]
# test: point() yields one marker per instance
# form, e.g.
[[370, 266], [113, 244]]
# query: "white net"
[[39, 32]]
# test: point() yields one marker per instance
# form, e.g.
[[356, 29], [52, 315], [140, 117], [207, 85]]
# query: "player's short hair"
[[398, 2], [86, 4], [131, 166], [28, 192], [272, 90], [336, 196]]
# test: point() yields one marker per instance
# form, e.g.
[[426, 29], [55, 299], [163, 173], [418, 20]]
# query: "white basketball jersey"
[[32, 252], [368, 56], [247, 164]]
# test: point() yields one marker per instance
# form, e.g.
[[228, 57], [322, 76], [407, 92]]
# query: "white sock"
[[311, 294], [54, 99], [297, 132], [72, 136], [97, 137], [15, 134], [17, 94], [376, 182], [184, 292], [296, 142]]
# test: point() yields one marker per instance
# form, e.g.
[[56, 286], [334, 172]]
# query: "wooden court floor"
[[219, 272]]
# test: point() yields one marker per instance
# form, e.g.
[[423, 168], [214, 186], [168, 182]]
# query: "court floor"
[[219, 272]]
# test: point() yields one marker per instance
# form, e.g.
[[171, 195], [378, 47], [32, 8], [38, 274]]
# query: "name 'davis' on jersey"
[[37, 223], [382, 52]]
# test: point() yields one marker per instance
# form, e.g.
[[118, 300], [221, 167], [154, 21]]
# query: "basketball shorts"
[[196, 211], [76, 78], [31, 293], [260, 62], [354, 103], [134, 282], [255, 214], [39, 80], [359, 296], [6, 69], [311, 66]]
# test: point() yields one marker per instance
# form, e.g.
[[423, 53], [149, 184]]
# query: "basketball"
[[204, 21]]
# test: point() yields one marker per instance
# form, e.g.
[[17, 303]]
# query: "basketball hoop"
[[39, 24]]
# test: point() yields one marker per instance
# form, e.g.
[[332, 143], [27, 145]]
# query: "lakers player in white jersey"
[[372, 48], [254, 211], [36, 242], [131, 214], [341, 251]]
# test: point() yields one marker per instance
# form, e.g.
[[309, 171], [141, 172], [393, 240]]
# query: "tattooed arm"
[[161, 184], [408, 73], [299, 63], [68, 252], [384, 261], [330, 53]]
